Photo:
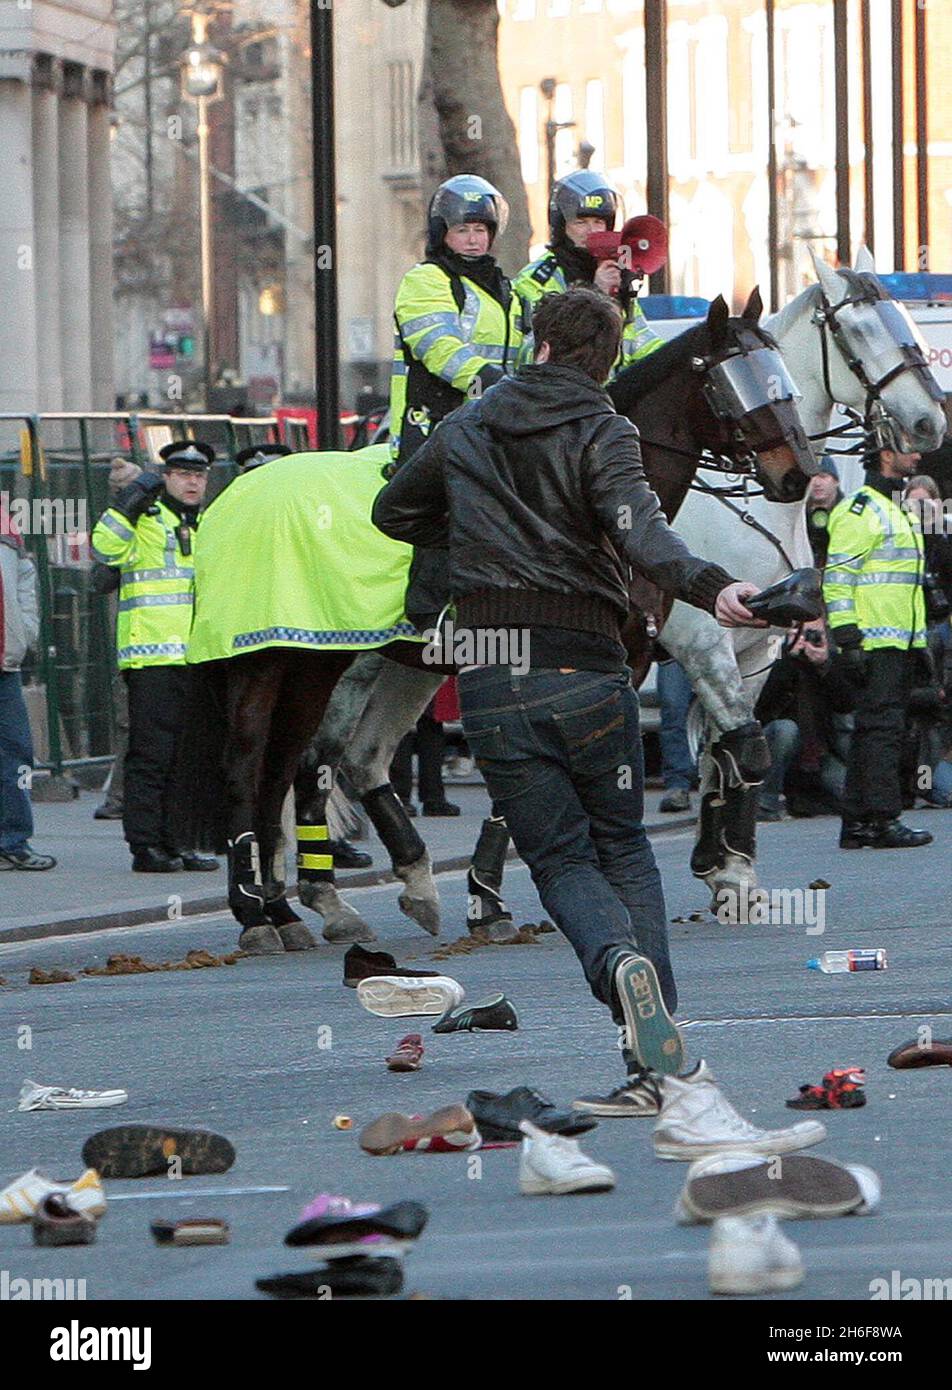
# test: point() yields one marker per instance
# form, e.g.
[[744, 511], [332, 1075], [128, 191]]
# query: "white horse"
[[845, 342]]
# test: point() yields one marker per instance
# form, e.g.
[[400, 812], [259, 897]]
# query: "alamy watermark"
[[898, 1289], [46, 516], [13, 1289], [481, 646], [773, 907]]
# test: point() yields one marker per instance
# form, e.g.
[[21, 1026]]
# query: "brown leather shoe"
[[407, 1055], [937, 1053], [367, 965], [55, 1222]]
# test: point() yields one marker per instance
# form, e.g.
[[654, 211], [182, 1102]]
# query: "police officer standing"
[[874, 598], [458, 323], [585, 202], [148, 534]]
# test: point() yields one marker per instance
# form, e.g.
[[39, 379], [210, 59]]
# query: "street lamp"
[[552, 127], [202, 69]]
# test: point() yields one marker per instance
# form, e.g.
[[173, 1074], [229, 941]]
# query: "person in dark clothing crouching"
[[538, 490]]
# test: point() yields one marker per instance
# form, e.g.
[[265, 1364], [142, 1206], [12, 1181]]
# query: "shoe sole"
[[609, 1111], [393, 1065], [765, 1283], [653, 1035], [139, 1151], [76, 1105], [804, 1187], [361, 1277], [403, 1221], [781, 1143], [540, 1188], [939, 1054], [392, 998], [389, 1133]]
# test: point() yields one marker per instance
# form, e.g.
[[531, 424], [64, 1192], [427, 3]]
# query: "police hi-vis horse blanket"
[[287, 556]]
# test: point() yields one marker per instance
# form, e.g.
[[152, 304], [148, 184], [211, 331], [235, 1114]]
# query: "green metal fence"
[[54, 473]]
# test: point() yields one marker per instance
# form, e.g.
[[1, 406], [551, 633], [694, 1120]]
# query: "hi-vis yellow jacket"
[[874, 571], [156, 585], [545, 276]]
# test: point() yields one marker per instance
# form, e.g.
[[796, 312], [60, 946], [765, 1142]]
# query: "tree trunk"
[[472, 133]]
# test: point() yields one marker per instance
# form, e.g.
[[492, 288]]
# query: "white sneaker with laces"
[[697, 1119], [552, 1164], [36, 1097], [750, 1254], [21, 1198]]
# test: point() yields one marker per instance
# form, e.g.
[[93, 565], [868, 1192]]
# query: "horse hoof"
[[349, 928], [502, 930], [425, 913], [261, 941], [421, 901], [295, 936]]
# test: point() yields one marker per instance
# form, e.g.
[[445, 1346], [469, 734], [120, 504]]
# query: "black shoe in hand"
[[498, 1116], [155, 861]]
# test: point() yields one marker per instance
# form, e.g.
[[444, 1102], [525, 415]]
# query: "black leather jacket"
[[537, 492]]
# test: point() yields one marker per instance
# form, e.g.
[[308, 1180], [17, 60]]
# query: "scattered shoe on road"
[[193, 1231], [498, 1117], [697, 1119], [492, 1015], [36, 1097], [451, 1129], [138, 1151], [20, 1199], [407, 1055], [331, 1222], [843, 1088], [750, 1254], [360, 1277], [794, 1186], [56, 1222], [639, 1095], [937, 1052], [550, 1164], [360, 964], [395, 996]]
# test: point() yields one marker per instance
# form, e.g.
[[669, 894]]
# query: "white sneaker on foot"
[[552, 1164], [798, 1185], [697, 1119], [21, 1198], [750, 1254], [36, 1097], [397, 996]]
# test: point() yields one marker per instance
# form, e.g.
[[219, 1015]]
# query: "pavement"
[[268, 1051]]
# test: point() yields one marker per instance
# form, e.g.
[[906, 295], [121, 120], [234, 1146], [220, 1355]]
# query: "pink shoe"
[[407, 1055]]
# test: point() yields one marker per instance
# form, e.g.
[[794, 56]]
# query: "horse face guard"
[[886, 336], [754, 396]]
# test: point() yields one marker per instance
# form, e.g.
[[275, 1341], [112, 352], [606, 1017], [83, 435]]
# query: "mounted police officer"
[[874, 597], [149, 535], [585, 202], [459, 326]]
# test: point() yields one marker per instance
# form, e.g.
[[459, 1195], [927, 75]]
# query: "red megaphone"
[[644, 243]]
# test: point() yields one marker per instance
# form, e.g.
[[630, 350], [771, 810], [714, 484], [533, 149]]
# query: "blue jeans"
[[16, 761], [678, 768], [562, 759], [783, 740]]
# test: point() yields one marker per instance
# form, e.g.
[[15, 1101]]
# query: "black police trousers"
[[873, 788], [156, 706]]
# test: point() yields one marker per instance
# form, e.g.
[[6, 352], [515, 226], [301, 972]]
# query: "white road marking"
[[173, 1190], [806, 1018]]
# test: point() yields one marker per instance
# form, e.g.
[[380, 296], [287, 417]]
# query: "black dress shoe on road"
[[359, 1277], [155, 861], [498, 1116], [492, 1015], [198, 863], [366, 965], [346, 857]]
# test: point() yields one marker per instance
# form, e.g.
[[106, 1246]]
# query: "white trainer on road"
[[36, 1097], [750, 1254], [697, 1119], [553, 1165], [21, 1198], [396, 996]]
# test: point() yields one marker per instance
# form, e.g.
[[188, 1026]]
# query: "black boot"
[[487, 914], [855, 834], [893, 834]]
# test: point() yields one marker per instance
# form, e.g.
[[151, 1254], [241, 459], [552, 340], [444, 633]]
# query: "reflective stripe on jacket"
[[545, 276], [156, 585], [452, 344], [874, 571]]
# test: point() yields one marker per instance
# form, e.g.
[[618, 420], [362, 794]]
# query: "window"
[[529, 133], [594, 131], [402, 98]]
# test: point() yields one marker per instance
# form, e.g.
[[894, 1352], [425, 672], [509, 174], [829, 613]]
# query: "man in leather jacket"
[[538, 492]]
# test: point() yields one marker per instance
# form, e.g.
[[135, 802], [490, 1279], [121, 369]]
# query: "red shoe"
[[407, 1055], [841, 1089], [449, 1130]]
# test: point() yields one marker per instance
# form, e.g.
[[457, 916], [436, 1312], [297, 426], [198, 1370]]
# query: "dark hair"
[[583, 329]]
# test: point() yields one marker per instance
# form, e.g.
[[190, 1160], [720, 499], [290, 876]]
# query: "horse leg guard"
[[316, 889], [487, 914], [246, 897], [279, 912], [408, 855], [726, 846]]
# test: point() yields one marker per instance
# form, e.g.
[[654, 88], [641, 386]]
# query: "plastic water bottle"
[[839, 962]]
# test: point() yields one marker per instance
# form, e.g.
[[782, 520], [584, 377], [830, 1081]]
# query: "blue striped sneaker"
[[652, 1034]]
